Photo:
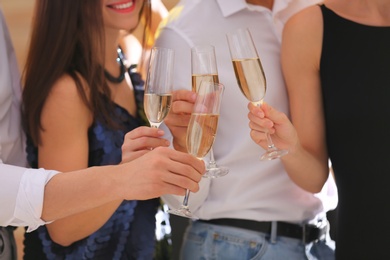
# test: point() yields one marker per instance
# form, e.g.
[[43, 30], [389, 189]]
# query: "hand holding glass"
[[159, 85], [250, 77], [202, 130], [204, 68]]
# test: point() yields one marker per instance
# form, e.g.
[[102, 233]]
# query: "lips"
[[123, 7]]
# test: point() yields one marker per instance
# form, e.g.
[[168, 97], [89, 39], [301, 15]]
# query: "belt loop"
[[274, 231], [304, 234]]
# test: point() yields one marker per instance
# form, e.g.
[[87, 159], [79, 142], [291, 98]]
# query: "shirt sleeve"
[[21, 196]]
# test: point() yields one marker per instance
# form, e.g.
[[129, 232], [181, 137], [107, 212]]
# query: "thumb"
[[273, 114]]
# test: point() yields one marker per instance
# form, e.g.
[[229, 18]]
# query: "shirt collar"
[[233, 6]]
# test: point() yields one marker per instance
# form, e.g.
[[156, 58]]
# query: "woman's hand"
[[140, 141], [267, 119]]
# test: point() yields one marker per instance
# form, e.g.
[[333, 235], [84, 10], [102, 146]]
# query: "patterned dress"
[[130, 232]]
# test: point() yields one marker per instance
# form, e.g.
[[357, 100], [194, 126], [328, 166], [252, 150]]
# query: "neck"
[[266, 3], [376, 11], [370, 12], [111, 44], [111, 54]]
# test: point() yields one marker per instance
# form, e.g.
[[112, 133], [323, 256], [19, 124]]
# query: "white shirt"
[[21, 190], [253, 189]]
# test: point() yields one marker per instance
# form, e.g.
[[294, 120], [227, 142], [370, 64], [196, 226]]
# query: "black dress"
[[355, 78]]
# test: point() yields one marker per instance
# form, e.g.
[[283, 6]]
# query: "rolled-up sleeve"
[[21, 196]]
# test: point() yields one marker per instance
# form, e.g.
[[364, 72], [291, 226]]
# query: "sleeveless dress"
[[130, 232], [355, 78]]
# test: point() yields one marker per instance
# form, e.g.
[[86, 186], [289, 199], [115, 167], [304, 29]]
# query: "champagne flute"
[[159, 85], [250, 77], [204, 68], [202, 130]]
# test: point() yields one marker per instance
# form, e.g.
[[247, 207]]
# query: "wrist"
[[179, 147]]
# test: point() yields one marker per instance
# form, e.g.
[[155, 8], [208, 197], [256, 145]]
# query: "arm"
[[161, 171], [301, 52], [27, 196], [64, 147], [307, 161]]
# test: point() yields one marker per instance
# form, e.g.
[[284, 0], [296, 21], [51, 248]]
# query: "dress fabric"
[[129, 233], [355, 78]]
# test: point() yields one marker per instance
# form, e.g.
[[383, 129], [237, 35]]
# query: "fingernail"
[[160, 132]]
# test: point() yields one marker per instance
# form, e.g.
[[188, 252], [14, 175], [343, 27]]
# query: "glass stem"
[[270, 143], [186, 197], [212, 162]]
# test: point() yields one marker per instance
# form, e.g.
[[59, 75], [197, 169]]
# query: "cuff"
[[30, 197]]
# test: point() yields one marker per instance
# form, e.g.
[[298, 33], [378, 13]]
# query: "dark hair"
[[66, 36]]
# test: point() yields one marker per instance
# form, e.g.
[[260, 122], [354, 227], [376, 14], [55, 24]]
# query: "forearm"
[[70, 193], [70, 229], [306, 170]]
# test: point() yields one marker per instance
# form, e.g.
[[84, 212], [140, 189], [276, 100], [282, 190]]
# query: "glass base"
[[183, 212], [216, 172], [273, 154]]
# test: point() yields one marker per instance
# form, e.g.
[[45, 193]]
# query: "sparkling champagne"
[[201, 133], [250, 78], [157, 106], [196, 79]]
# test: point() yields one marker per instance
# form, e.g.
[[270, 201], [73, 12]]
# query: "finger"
[[174, 120], [189, 171], [258, 111], [180, 107], [276, 116], [179, 183], [144, 131], [259, 138], [263, 123], [184, 163], [146, 143], [185, 95]]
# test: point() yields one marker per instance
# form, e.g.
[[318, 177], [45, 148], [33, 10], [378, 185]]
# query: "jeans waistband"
[[307, 233]]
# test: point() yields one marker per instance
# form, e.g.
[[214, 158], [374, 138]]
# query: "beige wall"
[[18, 14]]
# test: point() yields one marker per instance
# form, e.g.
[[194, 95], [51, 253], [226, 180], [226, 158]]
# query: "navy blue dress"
[[130, 232]]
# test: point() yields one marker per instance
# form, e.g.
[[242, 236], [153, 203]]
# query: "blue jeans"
[[203, 241]]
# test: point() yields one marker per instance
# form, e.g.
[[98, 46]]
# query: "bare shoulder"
[[65, 100], [302, 36], [305, 22], [66, 87]]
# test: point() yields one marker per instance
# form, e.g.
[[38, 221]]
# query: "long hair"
[[66, 37]]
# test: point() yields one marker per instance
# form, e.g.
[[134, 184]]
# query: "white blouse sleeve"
[[21, 195]]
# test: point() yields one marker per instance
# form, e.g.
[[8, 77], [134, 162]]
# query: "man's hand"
[[179, 117], [161, 171]]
